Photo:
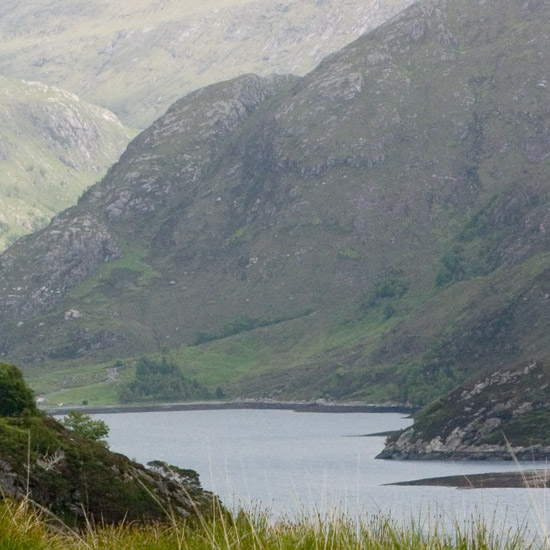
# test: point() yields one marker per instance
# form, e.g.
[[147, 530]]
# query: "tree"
[[158, 381], [83, 424], [15, 396]]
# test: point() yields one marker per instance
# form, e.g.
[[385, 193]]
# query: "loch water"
[[293, 463]]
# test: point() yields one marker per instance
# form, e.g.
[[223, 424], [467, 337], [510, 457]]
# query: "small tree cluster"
[[158, 381], [386, 292]]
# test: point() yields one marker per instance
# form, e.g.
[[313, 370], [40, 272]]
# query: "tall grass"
[[22, 527]]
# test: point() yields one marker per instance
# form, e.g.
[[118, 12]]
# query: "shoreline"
[[296, 406], [532, 479]]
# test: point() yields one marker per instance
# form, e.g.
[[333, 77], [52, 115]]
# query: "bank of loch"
[[503, 415]]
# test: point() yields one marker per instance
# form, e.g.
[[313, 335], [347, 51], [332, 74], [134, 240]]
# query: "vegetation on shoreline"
[[159, 381], [22, 527], [68, 470]]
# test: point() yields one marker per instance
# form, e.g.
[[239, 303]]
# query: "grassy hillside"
[[138, 57], [373, 231], [52, 147]]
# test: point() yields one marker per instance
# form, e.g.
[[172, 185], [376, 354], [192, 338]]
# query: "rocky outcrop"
[[407, 447], [70, 250], [502, 416]]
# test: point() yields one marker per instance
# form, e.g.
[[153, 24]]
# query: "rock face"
[[377, 228], [501, 416], [68, 252]]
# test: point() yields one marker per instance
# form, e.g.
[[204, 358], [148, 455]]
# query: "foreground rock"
[[534, 479], [502, 416]]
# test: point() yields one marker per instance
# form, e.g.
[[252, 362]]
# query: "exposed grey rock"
[[70, 250]]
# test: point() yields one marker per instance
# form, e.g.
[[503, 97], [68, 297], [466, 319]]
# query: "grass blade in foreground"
[[22, 528]]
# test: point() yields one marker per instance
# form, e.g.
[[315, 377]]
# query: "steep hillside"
[[136, 57], [52, 147], [79, 480], [375, 230]]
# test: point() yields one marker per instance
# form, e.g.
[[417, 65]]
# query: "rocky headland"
[[500, 416]]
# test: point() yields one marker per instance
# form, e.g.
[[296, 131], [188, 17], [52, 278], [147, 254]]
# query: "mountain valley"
[[137, 57], [55, 145]]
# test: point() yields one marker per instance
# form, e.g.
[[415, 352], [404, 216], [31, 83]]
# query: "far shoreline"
[[296, 406], [523, 479]]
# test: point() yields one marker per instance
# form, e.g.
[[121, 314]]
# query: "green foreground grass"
[[22, 527]]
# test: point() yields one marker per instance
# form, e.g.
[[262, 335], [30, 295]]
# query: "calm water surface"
[[290, 462]]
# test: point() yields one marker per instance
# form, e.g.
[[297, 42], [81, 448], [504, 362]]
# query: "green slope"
[[138, 57], [373, 231], [50, 465], [52, 147]]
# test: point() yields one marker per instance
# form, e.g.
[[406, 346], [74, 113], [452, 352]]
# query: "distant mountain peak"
[[52, 146]]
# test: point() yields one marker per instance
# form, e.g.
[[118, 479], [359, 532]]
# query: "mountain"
[[375, 230], [108, 53], [52, 147], [136, 57]]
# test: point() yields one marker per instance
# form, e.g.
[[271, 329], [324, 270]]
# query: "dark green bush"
[[393, 286], [159, 381], [15, 396]]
